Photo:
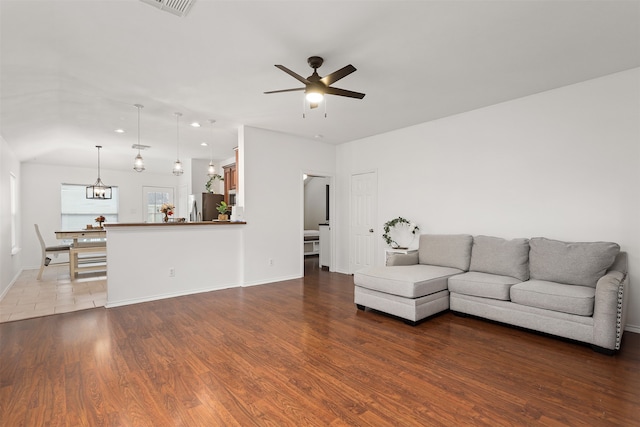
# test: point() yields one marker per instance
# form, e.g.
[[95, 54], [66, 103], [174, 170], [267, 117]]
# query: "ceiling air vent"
[[176, 7]]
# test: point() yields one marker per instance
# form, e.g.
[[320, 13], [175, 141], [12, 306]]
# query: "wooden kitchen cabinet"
[[231, 181]]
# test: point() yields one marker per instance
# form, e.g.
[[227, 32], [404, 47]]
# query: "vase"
[[166, 217]]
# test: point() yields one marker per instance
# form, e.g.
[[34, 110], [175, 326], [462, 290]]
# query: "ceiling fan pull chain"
[[325, 107], [304, 105]]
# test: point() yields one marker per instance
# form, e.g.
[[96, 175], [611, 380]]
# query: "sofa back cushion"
[[572, 263], [446, 250], [500, 256]]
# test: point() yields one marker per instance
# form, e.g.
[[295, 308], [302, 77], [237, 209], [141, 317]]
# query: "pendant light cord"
[[212, 138], [139, 107], [99, 147], [178, 136]]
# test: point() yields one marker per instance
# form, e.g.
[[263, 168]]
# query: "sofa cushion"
[[572, 299], [571, 263], [500, 256], [409, 281], [482, 285], [445, 250]]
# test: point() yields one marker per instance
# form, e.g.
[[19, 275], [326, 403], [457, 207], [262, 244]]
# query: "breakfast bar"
[[151, 261]]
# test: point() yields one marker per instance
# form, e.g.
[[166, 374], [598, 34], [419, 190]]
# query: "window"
[[78, 211], [153, 198], [13, 190]]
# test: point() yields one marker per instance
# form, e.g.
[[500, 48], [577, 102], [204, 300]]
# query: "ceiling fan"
[[316, 87]]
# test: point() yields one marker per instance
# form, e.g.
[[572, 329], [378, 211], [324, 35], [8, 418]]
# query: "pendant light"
[[138, 164], [98, 190], [177, 166], [211, 170]]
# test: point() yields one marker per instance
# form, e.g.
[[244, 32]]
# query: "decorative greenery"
[[222, 207], [390, 224], [211, 181]]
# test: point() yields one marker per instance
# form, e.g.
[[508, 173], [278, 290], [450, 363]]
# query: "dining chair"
[[49, 250]]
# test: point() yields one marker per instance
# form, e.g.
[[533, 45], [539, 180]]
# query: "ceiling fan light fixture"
[[314, 96]]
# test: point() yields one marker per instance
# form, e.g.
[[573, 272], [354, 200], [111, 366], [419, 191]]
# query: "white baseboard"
[[111, 304], [632, 328], [13, 281], [272, 280]]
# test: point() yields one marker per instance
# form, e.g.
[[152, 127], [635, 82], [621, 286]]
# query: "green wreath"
[[390, 224]]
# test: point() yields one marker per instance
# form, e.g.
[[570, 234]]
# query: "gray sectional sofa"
[[568, 289]]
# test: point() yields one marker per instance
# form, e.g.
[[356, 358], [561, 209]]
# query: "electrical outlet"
[[270, 262], [172, 272]]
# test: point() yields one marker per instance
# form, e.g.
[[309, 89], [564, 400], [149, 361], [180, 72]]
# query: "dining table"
[[89, 242], [87, 233]]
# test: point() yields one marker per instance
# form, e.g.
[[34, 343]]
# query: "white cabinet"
[[325, 246]]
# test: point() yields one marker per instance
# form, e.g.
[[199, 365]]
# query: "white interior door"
[[363, 213]]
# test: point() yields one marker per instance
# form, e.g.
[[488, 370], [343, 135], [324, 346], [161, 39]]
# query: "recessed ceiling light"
[[119, 131], [195, 124], [204, 144]]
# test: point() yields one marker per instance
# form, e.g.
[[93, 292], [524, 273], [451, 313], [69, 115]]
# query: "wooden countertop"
[[171, 224]]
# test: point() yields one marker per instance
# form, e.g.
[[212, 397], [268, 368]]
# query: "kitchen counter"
[[172, 223], [150, 261]]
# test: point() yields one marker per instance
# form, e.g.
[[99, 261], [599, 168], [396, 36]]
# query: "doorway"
[[316, 241]]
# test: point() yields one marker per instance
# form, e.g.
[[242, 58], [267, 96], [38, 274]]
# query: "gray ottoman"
[[411, 292]]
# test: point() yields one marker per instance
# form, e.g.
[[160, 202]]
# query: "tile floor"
[[54, 294]]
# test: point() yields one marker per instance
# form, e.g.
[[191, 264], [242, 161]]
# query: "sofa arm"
[[403, 259], [609, 315]]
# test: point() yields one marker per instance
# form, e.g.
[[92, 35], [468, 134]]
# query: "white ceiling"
[[72, 70]]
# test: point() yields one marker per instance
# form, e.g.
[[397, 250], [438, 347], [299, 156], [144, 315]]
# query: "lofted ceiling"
[[71, 71]]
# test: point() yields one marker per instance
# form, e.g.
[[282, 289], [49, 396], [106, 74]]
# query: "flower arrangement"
[[167, 210], [390, 224], [100, 220]]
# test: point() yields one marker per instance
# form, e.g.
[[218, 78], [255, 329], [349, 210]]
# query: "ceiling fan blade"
[[343, 92], [294, 74], [284, 90], [337, 75]]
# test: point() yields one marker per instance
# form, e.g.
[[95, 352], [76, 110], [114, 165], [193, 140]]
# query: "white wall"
[[41, 198], [199, 177], [563, 164], [10, 264], [273, 200]]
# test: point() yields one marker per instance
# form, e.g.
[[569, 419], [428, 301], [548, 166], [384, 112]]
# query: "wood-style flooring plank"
[[299, 353]]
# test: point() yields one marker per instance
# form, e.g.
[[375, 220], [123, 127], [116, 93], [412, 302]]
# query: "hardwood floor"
[[298, 353]]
